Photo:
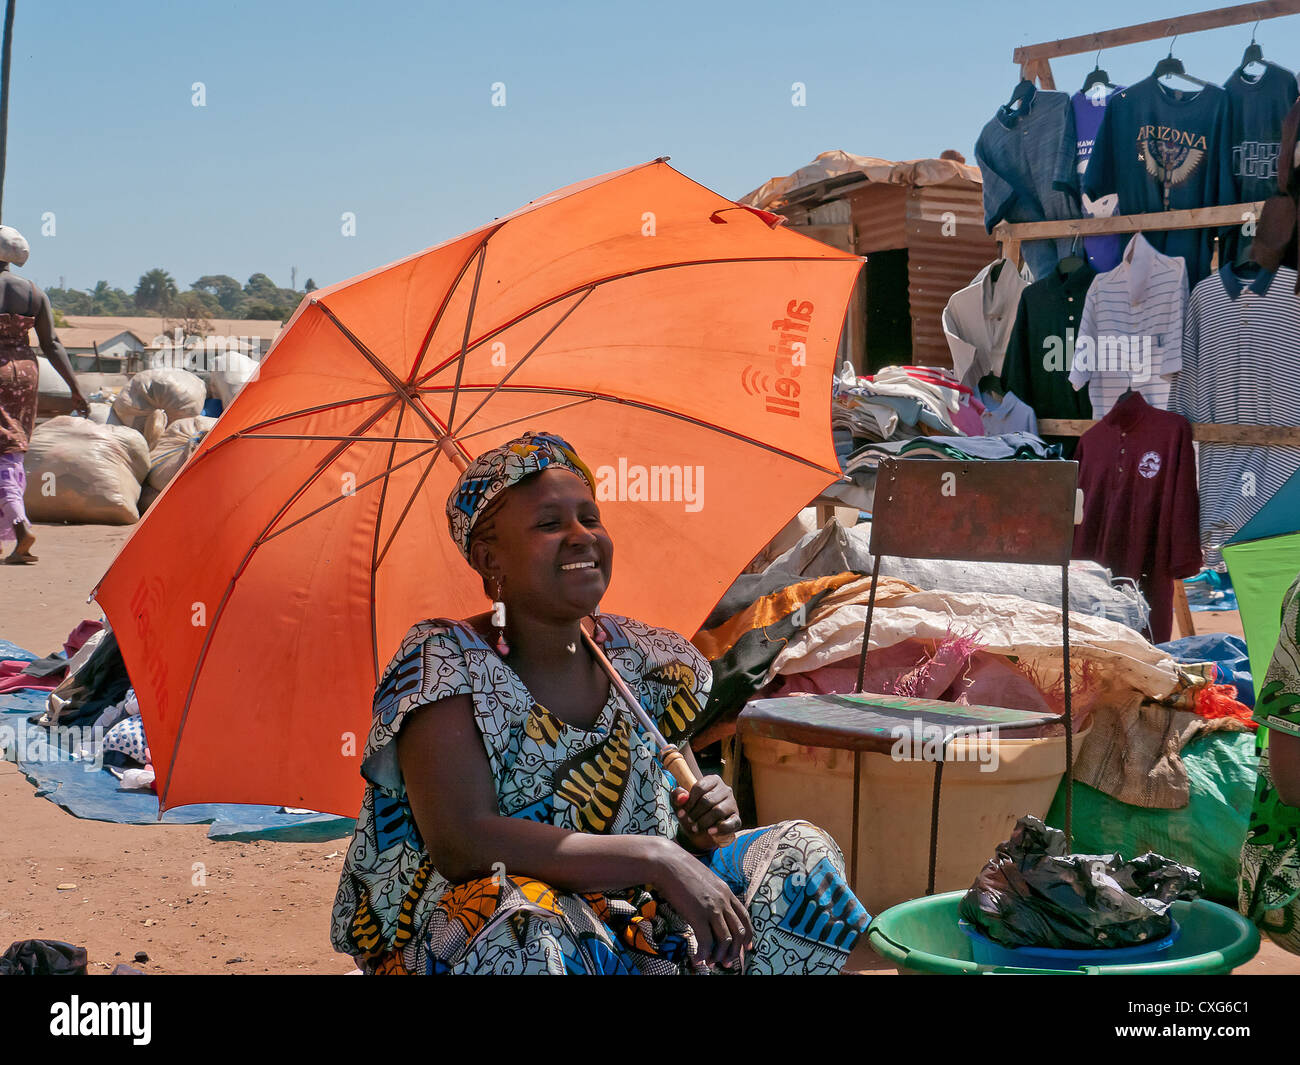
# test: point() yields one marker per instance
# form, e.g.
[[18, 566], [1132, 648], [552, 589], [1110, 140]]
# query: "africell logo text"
[[790, 350]]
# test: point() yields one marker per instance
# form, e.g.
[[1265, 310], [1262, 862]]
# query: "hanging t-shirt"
[[1259, 106], [1102, 250], [1137, 472], [1240, 363], [1131, 330], [1165, 149], [1026, 158]]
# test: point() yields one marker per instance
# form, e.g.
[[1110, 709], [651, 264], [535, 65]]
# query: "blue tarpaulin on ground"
[[1225, 651], [96, 795], [1210, 590]]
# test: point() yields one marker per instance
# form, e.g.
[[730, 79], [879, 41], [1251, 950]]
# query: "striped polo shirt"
[[1131, 331], [1241, 366]]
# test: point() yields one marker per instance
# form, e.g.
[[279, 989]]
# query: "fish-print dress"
[[395, 914]]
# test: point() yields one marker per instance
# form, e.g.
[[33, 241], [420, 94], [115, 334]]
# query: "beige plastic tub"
[[977, 809]]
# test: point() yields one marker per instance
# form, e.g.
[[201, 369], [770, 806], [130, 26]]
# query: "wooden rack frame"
[[1035, 62], [1035, 59], [1010, 236]]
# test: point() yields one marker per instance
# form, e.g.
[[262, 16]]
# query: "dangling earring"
[[599, 634], [499, 620]]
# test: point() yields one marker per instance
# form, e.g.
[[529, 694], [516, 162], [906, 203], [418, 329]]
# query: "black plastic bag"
[[43, 957], [1033, 894]]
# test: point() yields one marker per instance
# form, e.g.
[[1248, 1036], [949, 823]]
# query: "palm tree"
[[155, 290]]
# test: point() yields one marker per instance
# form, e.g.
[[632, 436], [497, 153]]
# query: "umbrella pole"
[[669, 756]]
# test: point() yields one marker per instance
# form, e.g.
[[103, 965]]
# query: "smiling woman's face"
[[548, 547]]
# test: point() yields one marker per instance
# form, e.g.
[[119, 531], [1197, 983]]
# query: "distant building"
[[129, 344]]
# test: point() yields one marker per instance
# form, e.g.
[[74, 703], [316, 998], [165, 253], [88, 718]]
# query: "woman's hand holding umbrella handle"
[[680, 770]]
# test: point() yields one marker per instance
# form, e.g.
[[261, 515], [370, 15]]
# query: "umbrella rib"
[[230, 587], [527, 417], [446, 299], [400, 390], [519, 365], [652, 408], [397, 526], [469, 324], [265, 539], [354, 439], [608, 280], [248, 432], [379, 518], [314, 410]]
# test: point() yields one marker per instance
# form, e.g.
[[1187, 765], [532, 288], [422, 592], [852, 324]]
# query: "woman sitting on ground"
[[515, 818]]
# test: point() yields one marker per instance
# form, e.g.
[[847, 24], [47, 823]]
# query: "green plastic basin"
[[921, 936]]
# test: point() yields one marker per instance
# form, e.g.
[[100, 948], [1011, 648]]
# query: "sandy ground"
[[191, 904]]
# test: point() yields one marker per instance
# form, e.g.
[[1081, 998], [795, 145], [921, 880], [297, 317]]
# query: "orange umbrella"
[[682, 344]]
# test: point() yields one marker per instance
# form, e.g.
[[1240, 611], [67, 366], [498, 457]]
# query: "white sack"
[[82, 472]]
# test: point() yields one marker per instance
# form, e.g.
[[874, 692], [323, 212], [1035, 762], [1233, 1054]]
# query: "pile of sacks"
[[107, 468]]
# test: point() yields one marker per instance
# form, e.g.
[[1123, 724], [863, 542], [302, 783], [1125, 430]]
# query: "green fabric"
[[1270, 861], [1261, 572], [1207, 833]]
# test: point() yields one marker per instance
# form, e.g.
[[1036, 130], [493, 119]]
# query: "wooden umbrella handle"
[[670, 757]]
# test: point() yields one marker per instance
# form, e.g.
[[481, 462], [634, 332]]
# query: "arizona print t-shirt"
[[1165, 149]]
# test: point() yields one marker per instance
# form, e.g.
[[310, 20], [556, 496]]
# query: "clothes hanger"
[[1023, 92], [1073, 261], [1098, 77], [1171, 67], [1253, 54]]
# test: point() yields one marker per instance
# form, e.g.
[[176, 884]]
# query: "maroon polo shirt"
[[1141, 514]]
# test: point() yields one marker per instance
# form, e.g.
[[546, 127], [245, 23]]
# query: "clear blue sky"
[[384, 109]]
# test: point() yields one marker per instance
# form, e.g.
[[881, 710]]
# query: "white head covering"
[[13, 246]]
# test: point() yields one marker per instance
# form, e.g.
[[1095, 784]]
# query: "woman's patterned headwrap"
[[494, 471]]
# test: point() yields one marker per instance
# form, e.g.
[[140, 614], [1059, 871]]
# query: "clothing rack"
[[1035, 65], [1035, 59]]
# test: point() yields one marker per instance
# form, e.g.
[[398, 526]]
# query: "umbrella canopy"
[[1263, 559], [682, 344]]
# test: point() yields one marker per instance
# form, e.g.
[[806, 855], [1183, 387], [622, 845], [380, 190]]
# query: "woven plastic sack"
[[174, 447], [50, 383], [1206, 833], [82, 472], [99, 412], [232, 371], [177, 393]]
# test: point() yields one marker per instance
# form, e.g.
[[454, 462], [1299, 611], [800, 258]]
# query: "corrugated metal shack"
[[920, 224]]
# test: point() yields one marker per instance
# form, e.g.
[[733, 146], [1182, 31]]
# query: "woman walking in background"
[[22, 306]]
